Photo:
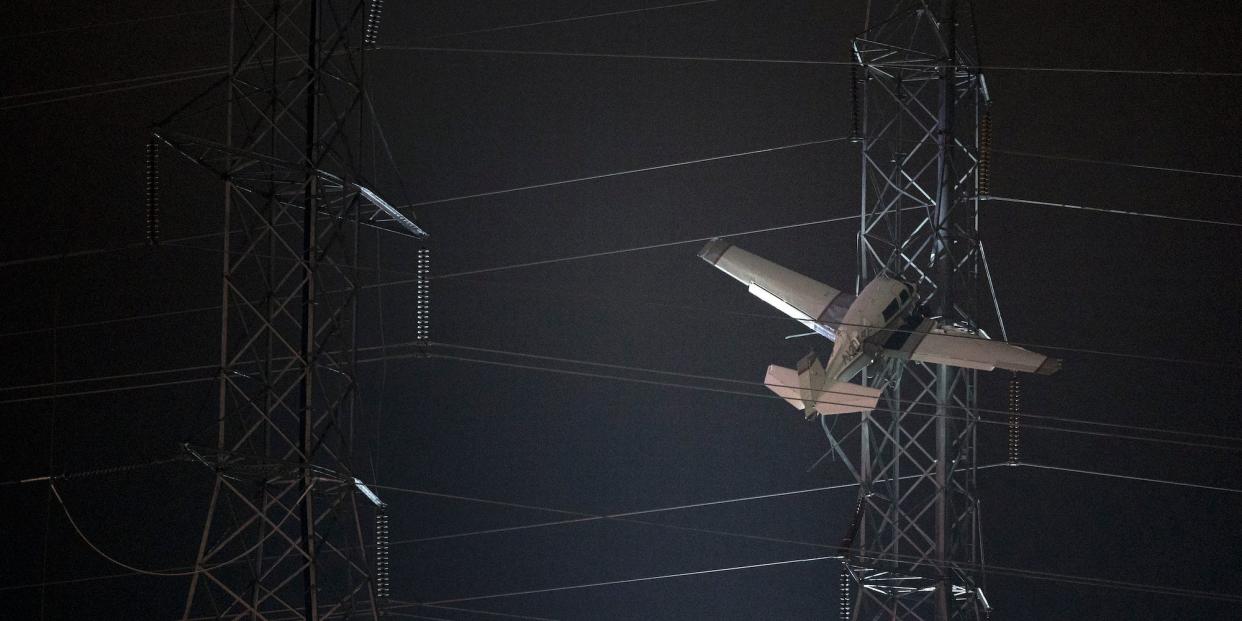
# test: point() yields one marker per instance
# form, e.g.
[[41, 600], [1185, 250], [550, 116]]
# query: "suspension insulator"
[[153, 192], [985, 152], [370, 34], [844, 606], [1015, 415], [422, 319], [382, 572], [856, 121]]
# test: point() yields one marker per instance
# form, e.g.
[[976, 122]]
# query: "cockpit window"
[[891, 309]]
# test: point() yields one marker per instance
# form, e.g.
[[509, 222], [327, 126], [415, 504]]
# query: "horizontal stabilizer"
[[809, 391]]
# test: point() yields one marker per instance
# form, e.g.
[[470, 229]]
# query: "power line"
[[564, 20], [625, 300], [605, 253], [583, 517], [1030, 415], [683, 574], [1127, 477], [124, 85], [137, 20], [796, 61], [420, 354], [771, 396], [549, 184], [1142, 72], [1010, 571], [146, 572], [104, 378], [1112, 211], [732, 59], [702, 311], [474, 610], [1083, 160], [92, 251], [175, 241], [159, 79], [122, 22], [617, 516], [627, 516], [100, 391]]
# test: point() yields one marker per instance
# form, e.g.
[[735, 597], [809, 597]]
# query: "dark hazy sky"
[[466, 123]]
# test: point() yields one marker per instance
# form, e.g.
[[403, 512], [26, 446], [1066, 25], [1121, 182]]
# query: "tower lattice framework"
[[914, 548], [283, 536]]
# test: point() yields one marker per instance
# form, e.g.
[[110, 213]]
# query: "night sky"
[[466, 123]]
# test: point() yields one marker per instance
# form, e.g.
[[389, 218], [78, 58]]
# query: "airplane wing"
[[814, 304], [962, 348], [808, 389]]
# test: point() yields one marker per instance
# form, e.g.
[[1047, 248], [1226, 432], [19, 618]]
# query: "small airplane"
[[883, 320]]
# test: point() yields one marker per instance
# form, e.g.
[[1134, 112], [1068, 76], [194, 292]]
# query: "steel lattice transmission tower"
[[283, 536], [914, 548]]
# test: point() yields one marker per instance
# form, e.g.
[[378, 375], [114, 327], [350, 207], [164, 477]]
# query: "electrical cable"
[[203, 72], [1015, 572], [535, 186], [122, 22], [1005, 412], [137, 570], [101, 391], [1083, 160], [733, 59], [421, 354], [620, 367], [795, 61], [625, 300], [1112, 211], [176, 241], [1024, 573], [474, 610], [605, 253], [563, 20], [1085, 432], [633, 580], [583, 517], [1214, 488], [104, 378], [614, 301], [140, 84]]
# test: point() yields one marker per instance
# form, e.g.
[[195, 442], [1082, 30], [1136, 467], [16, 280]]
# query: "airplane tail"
[[807, 389]]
